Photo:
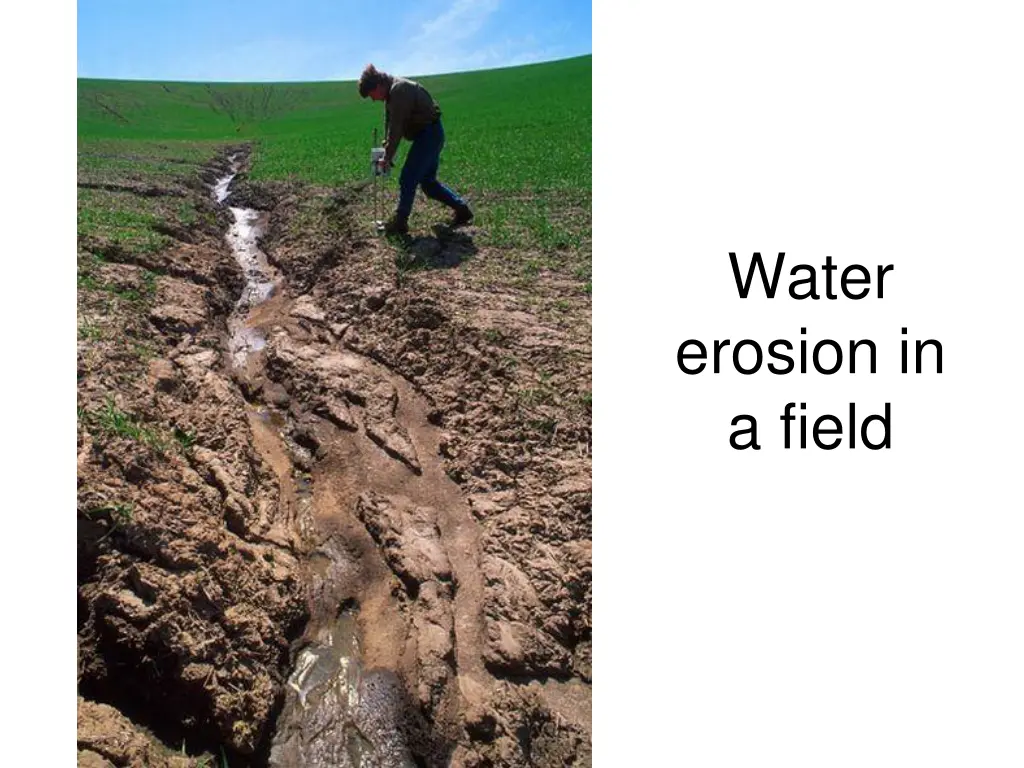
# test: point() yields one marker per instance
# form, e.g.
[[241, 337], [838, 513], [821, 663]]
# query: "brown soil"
[[411, 442]]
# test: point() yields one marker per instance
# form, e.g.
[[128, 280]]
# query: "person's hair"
[[370, 79]]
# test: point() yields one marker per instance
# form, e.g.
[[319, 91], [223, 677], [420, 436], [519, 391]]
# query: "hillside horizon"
[[149, 81]]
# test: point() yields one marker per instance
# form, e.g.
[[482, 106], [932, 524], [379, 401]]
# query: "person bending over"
[[411, 113]]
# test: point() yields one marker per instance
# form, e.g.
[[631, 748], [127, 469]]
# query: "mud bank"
[[189, 591]]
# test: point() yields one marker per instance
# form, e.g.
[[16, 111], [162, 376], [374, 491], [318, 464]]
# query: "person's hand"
[[385, 165]]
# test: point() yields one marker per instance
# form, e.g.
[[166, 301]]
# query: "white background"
[[800, 608], [808, 608], [38, 336]]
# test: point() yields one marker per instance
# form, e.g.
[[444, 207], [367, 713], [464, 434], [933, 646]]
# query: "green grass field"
[[522, 128], [518, 148]]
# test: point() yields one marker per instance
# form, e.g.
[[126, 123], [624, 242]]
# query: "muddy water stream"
[[336, 713], [261, 280]]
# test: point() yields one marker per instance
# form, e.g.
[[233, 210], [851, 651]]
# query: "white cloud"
[[447, 42], [456, 40], [461, 21], [506, 53]]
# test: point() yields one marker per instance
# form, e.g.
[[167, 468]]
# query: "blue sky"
[[277, 40]]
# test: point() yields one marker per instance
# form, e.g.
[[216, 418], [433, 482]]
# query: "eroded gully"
[[392, 652]]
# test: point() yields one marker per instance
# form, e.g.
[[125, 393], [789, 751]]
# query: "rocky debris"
[[375, 298], [515, 727], [205, 263], [434, 632], [334, 384], [174, 231], [304, 308], [262, 196], [163, 375], [275, 393], [394, 439], [411, 543], [89, 759], [187, 600], [537, 610], [202, 618], [337, 411], [106, 738], [424, 313], [137, 187], [181, 308], [408, 537], [384, 428]]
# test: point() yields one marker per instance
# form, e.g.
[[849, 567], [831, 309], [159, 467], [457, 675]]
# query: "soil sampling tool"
[[376, 157]]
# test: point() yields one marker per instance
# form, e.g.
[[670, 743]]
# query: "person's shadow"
[[447, 248]]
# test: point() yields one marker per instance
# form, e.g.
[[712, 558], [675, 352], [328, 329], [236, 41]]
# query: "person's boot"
[[463, 216], [397, 225]]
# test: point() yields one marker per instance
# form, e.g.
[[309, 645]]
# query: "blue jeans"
[[420, 170]]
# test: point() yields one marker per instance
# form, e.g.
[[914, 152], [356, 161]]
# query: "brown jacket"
[[408, 110]]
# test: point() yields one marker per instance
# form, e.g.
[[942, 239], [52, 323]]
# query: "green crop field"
[[508, 129], [518, 145]]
